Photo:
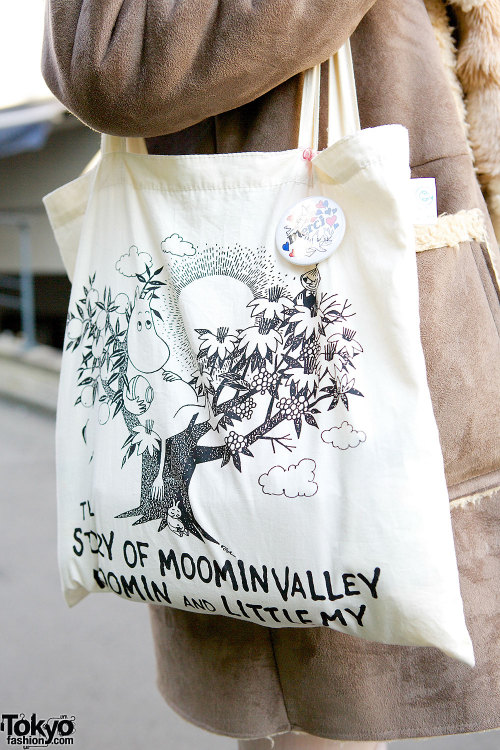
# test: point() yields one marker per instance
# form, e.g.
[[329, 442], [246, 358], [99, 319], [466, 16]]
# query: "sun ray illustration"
[[255, 269]]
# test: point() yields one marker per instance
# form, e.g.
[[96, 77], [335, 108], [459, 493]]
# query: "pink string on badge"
[[308, 154]]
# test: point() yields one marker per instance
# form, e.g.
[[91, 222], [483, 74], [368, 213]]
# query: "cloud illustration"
[[177, 246], [135, 261], [295, 481], [343, 437]]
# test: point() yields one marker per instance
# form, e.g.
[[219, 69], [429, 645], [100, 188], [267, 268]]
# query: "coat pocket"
[[460, 337]]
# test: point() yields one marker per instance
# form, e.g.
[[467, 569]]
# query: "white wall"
[[26, 178]]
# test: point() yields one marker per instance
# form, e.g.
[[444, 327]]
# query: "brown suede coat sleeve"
[[150, 67]]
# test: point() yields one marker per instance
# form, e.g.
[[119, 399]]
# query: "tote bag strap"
[[343, 115], [111, 144]]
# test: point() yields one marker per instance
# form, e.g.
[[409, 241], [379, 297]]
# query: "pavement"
[[95, 661], [29, 375]]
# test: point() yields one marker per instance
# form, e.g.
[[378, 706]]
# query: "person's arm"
[[151, 67]]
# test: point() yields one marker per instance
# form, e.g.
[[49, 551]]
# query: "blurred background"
[[41, 147], [94, 661]]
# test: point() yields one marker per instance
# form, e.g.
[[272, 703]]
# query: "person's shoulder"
[[167, 66]]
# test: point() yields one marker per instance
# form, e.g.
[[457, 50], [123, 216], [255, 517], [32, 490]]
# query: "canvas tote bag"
[[244, 425]]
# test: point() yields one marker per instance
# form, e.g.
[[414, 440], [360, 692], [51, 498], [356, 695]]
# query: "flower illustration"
[[346, 342], [221, 343], [145, 438], [203, 380], [302, 379], [305, 377], [329, 362], [345, 384], [256, 338], [274, 305], [305, 321]]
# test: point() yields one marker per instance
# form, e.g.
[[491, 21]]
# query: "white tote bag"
[[244, 425]]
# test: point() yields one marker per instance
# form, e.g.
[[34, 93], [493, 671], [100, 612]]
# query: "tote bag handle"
[[343, 115], [111, 144]]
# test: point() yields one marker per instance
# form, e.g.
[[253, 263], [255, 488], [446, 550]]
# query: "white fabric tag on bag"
[[424, 200]]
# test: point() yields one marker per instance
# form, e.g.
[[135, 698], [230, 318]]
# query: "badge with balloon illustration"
[[310, 231]]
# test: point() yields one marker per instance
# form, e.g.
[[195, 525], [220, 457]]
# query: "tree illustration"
[[295, 359]]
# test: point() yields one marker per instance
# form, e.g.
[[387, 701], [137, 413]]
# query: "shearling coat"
[[196, 76]]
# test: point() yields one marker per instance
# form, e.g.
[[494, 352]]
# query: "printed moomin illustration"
[[176, 372]]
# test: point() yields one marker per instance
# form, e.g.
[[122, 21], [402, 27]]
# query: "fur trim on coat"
[[473, 69]]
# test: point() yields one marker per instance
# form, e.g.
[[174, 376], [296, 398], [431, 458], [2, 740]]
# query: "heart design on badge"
[[311, 230]]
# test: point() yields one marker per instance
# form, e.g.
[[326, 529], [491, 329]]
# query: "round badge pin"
[[310, 231]]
